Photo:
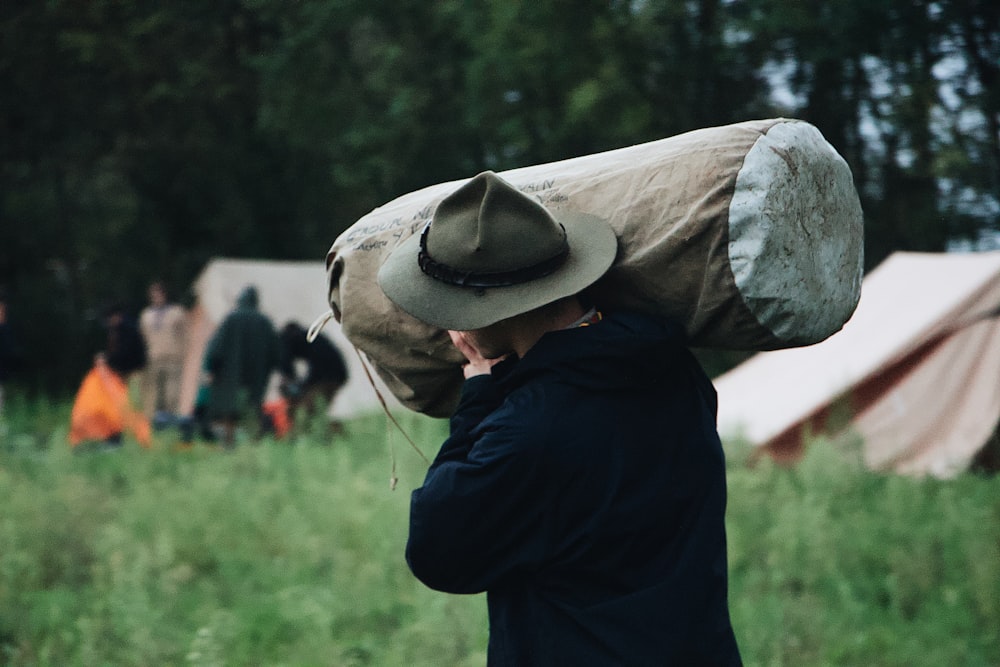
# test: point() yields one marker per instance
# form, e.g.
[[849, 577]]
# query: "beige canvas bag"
[[749, 235]]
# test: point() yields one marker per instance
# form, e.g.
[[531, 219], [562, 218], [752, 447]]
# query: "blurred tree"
[[902, 91], [61, 194], [968, 122], [553, 80], [699, 64], [130, 152], [547, 81], [369, 92]]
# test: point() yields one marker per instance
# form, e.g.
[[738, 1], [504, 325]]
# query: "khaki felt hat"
[[491, 252]]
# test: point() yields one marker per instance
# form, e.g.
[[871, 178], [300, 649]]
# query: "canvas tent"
[[915, 372], [288, 291]]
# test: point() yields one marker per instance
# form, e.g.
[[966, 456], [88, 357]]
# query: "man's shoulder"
[[532, 409], [640, 323]]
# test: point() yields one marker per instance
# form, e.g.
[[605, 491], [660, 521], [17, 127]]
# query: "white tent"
[[288, 291], [915, 372]]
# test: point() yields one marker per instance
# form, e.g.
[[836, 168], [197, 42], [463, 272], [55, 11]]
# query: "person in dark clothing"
[[125, 349], [583, 484], [326, 372], [10, 351], [240, 358]]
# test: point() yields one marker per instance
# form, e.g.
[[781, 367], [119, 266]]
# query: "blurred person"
[[10, 352], [102, 409], [326, 372], [164, 328], [124, 350], [199, 421], [583, 486], [240, 357]]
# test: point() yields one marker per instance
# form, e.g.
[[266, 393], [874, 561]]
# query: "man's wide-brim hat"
[[491, 252]]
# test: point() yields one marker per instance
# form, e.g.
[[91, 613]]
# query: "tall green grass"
[[833, 565], [272, 554], [291, 553]]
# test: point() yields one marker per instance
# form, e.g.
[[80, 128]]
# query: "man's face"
[[492, 342]]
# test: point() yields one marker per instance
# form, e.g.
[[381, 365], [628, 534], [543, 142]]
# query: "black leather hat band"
[[480, 279]]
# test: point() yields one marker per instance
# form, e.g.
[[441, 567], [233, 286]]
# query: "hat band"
[[452, 276]]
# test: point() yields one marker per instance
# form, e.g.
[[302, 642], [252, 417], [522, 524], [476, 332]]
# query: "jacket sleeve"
[[478, 515]]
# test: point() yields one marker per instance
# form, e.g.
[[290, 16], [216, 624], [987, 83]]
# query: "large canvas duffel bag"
[[749, 235]]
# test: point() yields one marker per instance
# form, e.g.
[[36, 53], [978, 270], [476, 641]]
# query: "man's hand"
[[478, 364]]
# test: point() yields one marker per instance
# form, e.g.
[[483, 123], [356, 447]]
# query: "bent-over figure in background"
[[326, 372]]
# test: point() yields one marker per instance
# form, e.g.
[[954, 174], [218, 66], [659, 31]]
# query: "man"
[[240, 358], [164, 328], [583, 484]]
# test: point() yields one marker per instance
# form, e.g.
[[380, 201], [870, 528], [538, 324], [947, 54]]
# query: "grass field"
[[291, 554]]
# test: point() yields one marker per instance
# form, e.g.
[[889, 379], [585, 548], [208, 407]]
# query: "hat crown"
[[488, 226], [491, 252]]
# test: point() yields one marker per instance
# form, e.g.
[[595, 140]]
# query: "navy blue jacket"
[[583, 487]]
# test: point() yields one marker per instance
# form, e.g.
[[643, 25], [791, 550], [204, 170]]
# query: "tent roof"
[[907, 301]]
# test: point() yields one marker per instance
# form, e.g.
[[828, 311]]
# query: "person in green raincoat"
[[240, 358]]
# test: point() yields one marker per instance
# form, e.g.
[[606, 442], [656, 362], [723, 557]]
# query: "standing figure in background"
[[10, 355], [164, 328], [239, 359], [326, 372]]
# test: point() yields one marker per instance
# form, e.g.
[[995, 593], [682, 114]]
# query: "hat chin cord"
[[311, 335]]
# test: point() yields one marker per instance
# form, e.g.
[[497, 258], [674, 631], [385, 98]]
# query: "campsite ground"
[[291, 554]]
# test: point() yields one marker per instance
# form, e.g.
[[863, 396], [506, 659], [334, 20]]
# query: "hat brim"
[[593, 246]]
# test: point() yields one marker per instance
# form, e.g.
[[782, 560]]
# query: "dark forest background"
[[140, 139]]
